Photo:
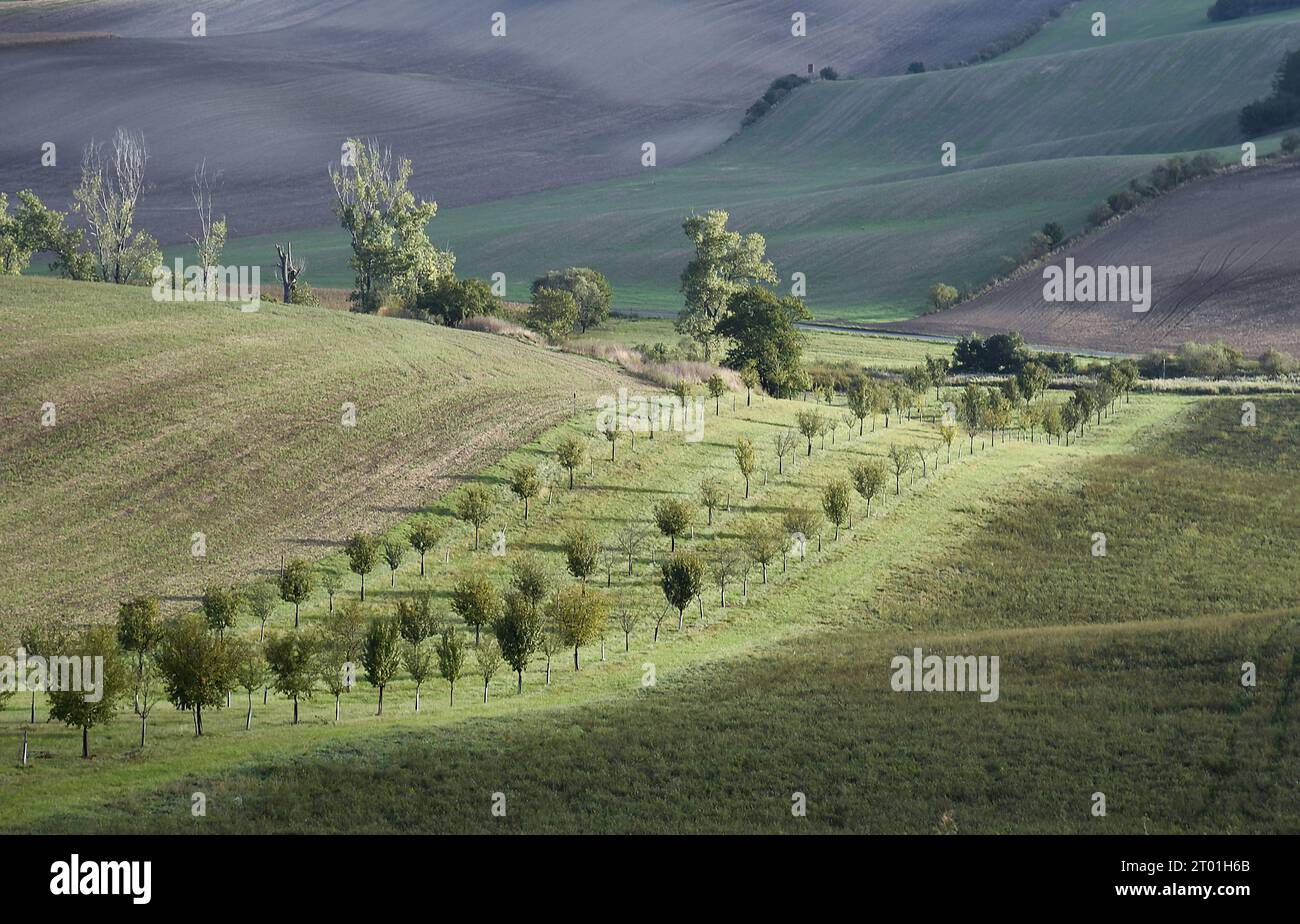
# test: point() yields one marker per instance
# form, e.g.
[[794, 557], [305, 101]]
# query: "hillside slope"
[[173, 419], [566, 96], [845, 182], [1222, 254]]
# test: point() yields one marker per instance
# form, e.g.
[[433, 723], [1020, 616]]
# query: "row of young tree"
[[191, 662]]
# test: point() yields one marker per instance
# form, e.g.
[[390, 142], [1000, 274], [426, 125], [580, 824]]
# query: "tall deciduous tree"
[[724, 263], [518, 631], [451, 658], [386, 224], [292, 660], [681, 577], [763, 330], [476, 601]]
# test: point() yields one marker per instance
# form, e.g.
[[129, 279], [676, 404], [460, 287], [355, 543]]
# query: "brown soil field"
[[1222, 253]]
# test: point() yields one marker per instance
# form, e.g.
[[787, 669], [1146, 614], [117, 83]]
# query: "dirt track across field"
[[1225, 265]]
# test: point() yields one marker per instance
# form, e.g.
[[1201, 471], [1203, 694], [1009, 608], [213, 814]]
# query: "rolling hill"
[[566, 96], [1222, 253], [173, 419], [844, 178]]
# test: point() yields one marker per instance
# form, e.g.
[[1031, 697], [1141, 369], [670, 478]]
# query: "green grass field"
[[1115, 684], [844, 178]]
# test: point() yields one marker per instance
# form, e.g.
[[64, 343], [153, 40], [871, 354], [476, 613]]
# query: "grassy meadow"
[[1118, 675]]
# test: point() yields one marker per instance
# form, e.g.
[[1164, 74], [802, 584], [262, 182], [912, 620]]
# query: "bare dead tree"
[[288, 271], [212, 234]]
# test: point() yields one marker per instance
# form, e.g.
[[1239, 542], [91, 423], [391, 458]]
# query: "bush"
[[452, 301], [828, 73], [776, 91], [1290, 143], [916, 67]]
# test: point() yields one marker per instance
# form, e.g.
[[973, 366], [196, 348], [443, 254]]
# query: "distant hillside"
[[844, 178], [1222, 254], [567, 96]]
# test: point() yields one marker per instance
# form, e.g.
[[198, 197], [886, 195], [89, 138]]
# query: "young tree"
[[416, 620], [571, 453], [710, 497], [335, 670], [381, 654], [717, 387], [518, 631], [139, 628], [346, 631], [292, 660], [783, 443], [682, 580], [810, 424], [746, 459], [387, 226], [673, 516], [971, 410], [488, 658], [476, 601], [474, 506], [553, 313], [451, 658], [530, 577], [1053, 424], [936, 368], [84, 708], [525, 485], [251, 673], [577, 617], [762, 542], [424, 536], [724, 564], [860, 405], [395, 547], [296, 585], [610, 433], [260, 600], [900, 460], [197, 667], [629, 539], [868, 480], [627, 619], [749, 378], [220, 607], [836, 504], [419, 661], [363, 554], [725, 262], [947, 433], [145, 689], [801, 524], [331, 582], [581, 552]]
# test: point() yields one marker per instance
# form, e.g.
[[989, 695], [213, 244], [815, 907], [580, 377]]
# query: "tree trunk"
[[85, 742], [295, 615], [681, 618], [336, 709], [520, 688], [485, 692], [381, 700], [198, 721], [627, 641], [363, 587], [144, 730], [452, 701], [575, 658], [295, 710], [764, 564], [248, 720]]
